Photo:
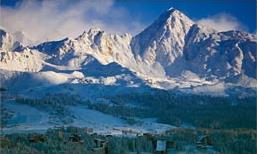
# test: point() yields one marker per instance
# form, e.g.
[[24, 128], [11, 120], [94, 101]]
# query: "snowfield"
[[30, 119], [107, 124], [26, 118], [174, 52]]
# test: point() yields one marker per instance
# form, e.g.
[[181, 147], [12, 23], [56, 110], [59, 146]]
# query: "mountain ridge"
[[160, 55]]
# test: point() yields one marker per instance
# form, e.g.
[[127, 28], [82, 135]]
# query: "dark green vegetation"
[[176, 109], [230, 122], [171, 108], [55, 104], [199, 111], [71, 141], [77, 140], [4, 116]]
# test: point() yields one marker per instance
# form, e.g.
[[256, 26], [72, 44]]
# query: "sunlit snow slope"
[[173, 52]]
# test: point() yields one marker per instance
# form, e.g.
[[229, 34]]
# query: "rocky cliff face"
[[164, 40], [163, 53], [220, 55]]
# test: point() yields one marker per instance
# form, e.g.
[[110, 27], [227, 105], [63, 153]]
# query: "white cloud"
[[222, 22], [49, 20]]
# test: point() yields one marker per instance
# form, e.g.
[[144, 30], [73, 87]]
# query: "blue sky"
[[119, 15], [243, 10]]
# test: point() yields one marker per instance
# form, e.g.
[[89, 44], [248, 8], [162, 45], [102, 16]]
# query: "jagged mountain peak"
[[90, 33], [95, 30], [6, 41], [171, 8], [174, 13], [171, 17], [163, 40], [171, 45], [9, 41]]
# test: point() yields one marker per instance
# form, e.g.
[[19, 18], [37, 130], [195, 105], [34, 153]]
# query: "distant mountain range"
[[173, 52]]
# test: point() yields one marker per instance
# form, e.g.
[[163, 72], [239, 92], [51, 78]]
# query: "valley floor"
[[128, 124], [30, 119]]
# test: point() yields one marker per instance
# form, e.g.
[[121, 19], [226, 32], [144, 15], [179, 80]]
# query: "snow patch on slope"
[[173, 52]]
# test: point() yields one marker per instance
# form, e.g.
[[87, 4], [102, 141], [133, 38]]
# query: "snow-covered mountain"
[[164, 40], [173, 52]]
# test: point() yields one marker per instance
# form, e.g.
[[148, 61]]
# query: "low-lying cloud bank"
[[222, 22], [48, 20]]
